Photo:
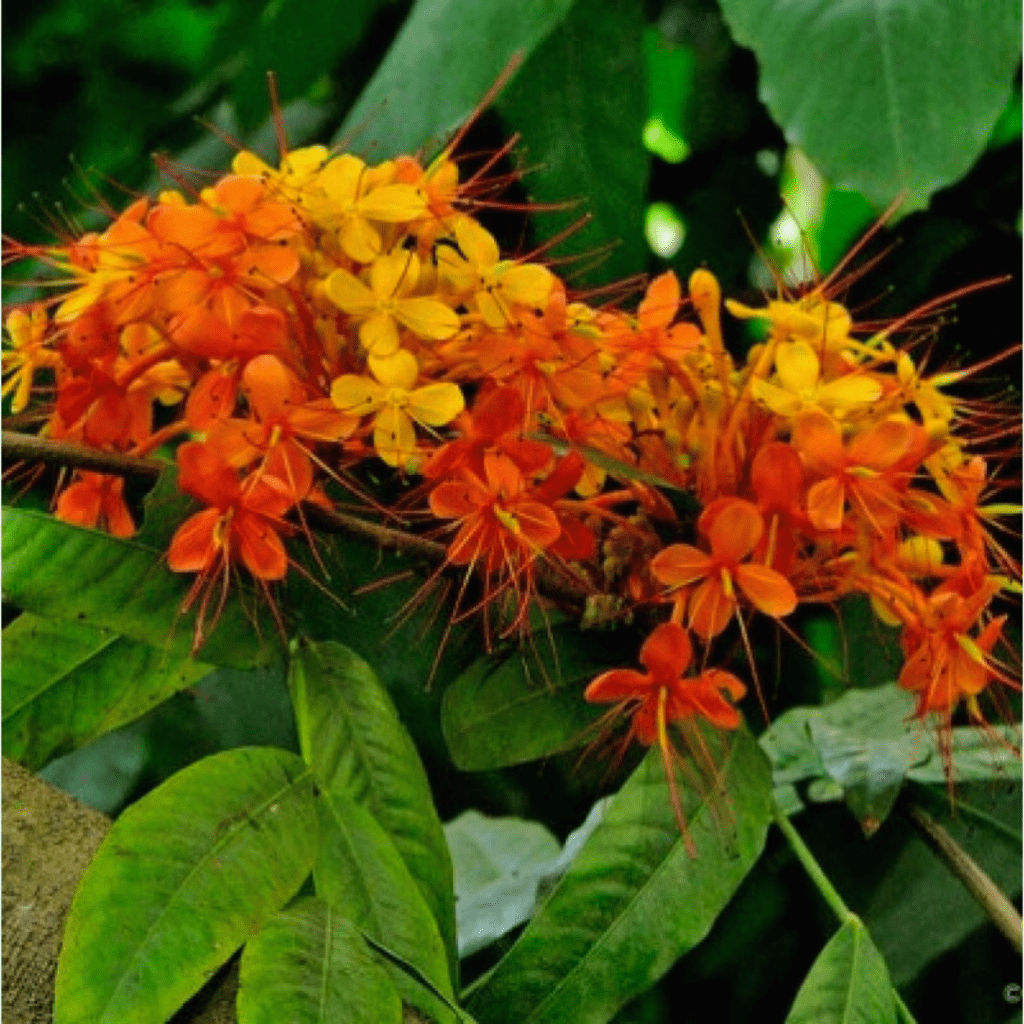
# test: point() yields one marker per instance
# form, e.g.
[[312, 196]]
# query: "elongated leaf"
[[520, 704], [183, 878], [633, 900], [409, 104], [308, 965], [571, 102], [911, 93], [66, 572], [848, 983], [65, 683], [362, 876], [350, 733]]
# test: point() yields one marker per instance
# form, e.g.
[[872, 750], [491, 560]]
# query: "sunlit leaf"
[[350, 734], [67, 682], [848, 983], [308, 965], [634, 900], [193, 869]]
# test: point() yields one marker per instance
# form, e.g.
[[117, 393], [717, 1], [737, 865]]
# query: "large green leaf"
[[579, 103], [307, 965], [445, 58], [66, 682], [67, 572], [362, 876], [885, 98], [350, 733], [183, 878], [634, 900], [522, 703], [848, 983]]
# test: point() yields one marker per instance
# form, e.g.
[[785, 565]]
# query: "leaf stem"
[[803, 854]]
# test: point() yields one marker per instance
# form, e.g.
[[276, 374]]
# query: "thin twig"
[[30, 448], [960, 864]]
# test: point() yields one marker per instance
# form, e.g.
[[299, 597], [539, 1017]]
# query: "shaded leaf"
[[571, 102], [66, 682], [195, 867], [362, 876], [520, 704], [409, 104], [848, 984], [67, 572], [350, 733], [634, 900], [912, 93], [307, 965]]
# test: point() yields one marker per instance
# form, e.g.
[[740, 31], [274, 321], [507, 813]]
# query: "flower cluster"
[[285, 324]]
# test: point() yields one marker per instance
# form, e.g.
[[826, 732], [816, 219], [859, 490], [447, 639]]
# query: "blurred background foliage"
[[654, 117]]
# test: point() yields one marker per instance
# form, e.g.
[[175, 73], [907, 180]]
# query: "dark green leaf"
[[362, 876], [848, 983], [66, 682], [579, 103], [446, 57], [634, 900], [521, 704], [307, 965], [886, 99], [66, 572], [350, 734], [183, 878]]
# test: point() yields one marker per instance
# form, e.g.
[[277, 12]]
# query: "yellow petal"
[[359, 239], [395, 273], [247, 163], [853, 389], [477, 245], [495, 313], [797, 366], [394, 437], [393, 204], [357, 396], [340, 178], [436, 404], [349, 294], [396, 370], [379, 334], [528, 283], [428, 318], [783, 403]]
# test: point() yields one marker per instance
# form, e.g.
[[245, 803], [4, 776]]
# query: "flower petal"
[[618, 684], [767, 590], [680, 565], [667, 653]]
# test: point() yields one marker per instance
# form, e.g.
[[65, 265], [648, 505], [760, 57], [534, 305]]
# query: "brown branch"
[[960, 864], [29, 448]]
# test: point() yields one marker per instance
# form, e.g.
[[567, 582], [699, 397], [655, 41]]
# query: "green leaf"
[[848, 983], [65, 683], [67, 572], [362, 876], [445, 58], [579, 103], [634, 900], [868, 742], [307, 965], [350, 733], [183, 878], [520, 704], [886, 99]]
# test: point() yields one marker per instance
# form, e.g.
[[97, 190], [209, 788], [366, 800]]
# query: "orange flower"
[[734, 528], [94, 500], [661, 695], [244, 520]]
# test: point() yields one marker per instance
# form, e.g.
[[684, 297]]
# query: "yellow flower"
[[348, 195], [386, 303], [27, 333], [398, 405], [811, 318], [299, 169], [474, 268], [800, 386]]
